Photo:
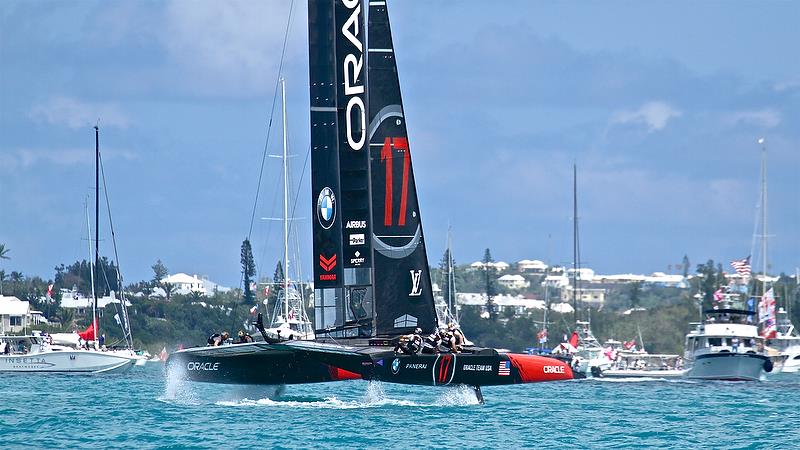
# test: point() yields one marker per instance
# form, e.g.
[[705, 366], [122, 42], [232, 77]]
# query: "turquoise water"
[[144, 409]]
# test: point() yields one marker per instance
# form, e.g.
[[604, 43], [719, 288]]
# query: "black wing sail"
[[404, 299], [340, 169]]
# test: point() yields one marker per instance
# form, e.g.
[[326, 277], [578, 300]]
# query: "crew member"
[[448, 342], [410, 344], [244, 337], [217, 339], [431, 344], [458, 335]]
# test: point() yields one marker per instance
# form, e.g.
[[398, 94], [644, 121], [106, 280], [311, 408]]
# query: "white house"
[[518, 303], [82, 305], [187, 284], [532, 266], [586, 295], [556, 281], [513, 281], [15, 315], [498, 266]]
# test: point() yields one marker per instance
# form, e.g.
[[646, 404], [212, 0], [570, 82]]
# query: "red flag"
[[49, 291], [573, 340], [88, 334]]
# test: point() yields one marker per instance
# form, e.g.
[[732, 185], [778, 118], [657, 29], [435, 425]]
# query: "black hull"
[[256, 363], [310, 362]]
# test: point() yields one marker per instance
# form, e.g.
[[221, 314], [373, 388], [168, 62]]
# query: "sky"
[[660, 105]]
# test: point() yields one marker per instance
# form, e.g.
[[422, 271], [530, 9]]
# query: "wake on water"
[[184, 392], [180, 391]]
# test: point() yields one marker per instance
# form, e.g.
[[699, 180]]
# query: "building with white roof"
[[531, 266], [82, 305], [15, 315], [498, 266], [513, 281], [518, 303], [187, 284]]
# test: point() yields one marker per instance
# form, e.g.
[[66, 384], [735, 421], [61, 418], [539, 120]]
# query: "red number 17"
[[400, 144]]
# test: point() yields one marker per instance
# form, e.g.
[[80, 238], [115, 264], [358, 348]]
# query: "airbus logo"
[[356, 224]]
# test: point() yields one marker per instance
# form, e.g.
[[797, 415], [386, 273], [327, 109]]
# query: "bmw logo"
[[395, 366], [326, 208]]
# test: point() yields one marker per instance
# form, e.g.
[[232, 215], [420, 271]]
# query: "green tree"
[[490, 286], [634, 294], [445, 265], [160, 272], [248, 272], [277, 286], [686, 264]]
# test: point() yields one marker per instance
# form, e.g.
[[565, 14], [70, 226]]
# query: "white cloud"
[[24, 158], [655, 115], [74, 113], [767, 118], [234, 45]]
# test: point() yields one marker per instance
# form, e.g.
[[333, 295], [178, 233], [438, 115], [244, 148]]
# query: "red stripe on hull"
[[338, 374], [534, 368]]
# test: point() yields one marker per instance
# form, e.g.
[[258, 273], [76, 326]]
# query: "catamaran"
[[371, 278]]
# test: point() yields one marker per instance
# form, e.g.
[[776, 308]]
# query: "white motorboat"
[[786, 343], [726, 345], [35, 353], [640, 364]]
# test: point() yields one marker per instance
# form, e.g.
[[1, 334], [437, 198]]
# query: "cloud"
[[655, 115], [767, 118], [74, 113], [233, 45], [24, 158]]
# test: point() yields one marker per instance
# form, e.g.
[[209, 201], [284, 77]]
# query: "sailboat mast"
[[96, 230], [285, 207], [575, 241], [91, 264], [763, 216]]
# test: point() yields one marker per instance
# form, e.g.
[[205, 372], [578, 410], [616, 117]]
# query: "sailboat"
[[588, 355], [39, 353], [372, 283], [289, 319]]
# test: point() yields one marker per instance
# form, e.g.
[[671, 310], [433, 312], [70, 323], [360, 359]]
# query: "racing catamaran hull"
[[253, 363], [313, 362]]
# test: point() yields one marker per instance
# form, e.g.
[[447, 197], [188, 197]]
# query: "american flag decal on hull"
[[504, 368]]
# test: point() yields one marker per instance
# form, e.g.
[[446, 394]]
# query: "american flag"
[[742, 266], [505, 368]]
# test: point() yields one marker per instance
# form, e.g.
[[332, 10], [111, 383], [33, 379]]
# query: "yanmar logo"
[[327, 264], [353, 81]]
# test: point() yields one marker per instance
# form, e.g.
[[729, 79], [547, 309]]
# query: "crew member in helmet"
[[458, 335], [410, 344], [431, 343]]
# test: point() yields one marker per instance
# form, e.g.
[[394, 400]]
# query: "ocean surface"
[[145, 409]]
